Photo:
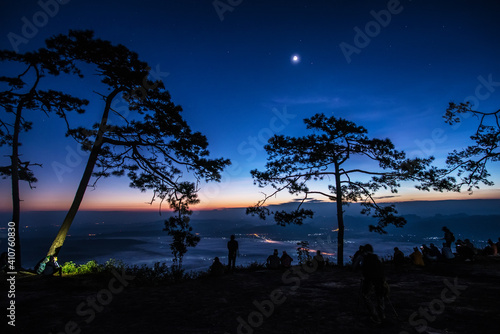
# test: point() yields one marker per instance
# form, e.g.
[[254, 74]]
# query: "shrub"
[[69, 268], [89, 268]]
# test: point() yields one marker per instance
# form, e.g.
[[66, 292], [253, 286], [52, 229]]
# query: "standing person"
[[448, 236], [232, 246], [374, 276]]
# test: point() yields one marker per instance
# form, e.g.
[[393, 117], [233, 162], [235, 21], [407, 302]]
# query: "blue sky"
[[231, 70]]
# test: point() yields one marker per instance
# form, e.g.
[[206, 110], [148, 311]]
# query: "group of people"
[[285, 261], [274, 261], [217, 268], [465, 250]]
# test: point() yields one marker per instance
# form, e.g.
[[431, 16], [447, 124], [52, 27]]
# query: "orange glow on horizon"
[[125, 202]]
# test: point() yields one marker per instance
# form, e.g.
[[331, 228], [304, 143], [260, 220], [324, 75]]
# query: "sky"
[[246, 70]]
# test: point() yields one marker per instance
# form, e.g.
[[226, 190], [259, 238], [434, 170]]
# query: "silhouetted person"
[[498, 244], [448, 236], [286, 260], [357, 258], [493, 247], [273, 261], [434, 251], [217, 268], [373, 277], [52, 267], [399, 258], [417, 257], [465, 249], [427, 254], [320, 260], [469, 244], [232, 246]]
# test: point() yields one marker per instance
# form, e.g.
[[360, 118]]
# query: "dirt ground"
[[443, 298]]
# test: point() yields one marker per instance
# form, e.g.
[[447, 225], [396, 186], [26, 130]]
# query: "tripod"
[[364, 298]]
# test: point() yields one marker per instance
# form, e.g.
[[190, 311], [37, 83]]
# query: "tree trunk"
[[340, 218], [87, 174], [16, 201]]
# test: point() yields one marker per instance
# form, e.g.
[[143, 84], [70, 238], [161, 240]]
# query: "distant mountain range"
[[420, 208], [477, 220], [467, 217]]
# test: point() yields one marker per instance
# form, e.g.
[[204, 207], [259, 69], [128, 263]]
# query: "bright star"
[[295, 59]]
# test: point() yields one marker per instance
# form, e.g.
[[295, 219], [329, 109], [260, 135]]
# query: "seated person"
[[319, 259], [464, 250], [417, 257], [286, 260], [494, 248], [217, 268], [434, 251], [426, 252], [399, 257], [52, 267], [469, 244], [273, 261]]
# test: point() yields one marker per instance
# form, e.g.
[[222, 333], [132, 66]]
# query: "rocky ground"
[[443, 298]]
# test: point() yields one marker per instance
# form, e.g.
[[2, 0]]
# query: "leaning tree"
[[24, 95], [153, 145], [305, 165]]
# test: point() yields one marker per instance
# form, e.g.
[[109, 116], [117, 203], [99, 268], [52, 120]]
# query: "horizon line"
[[242, 207]]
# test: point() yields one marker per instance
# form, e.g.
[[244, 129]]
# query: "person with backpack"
[[374, 279], [52, 267], [449, 238]]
